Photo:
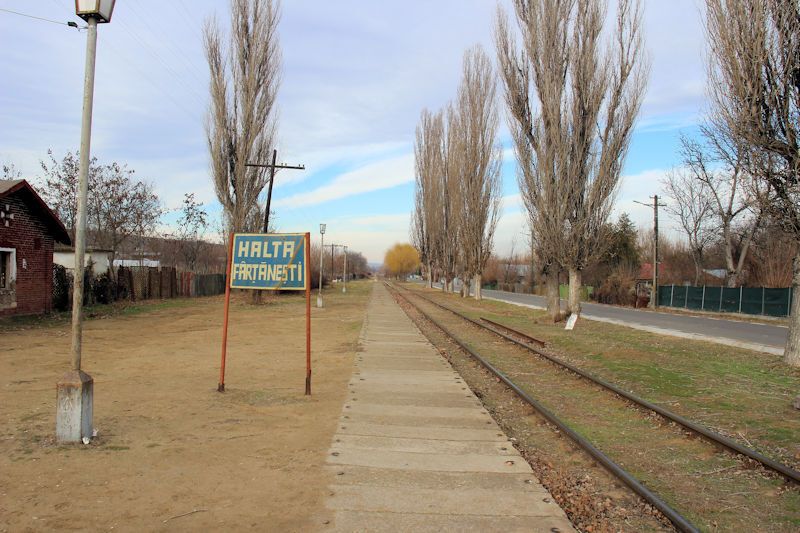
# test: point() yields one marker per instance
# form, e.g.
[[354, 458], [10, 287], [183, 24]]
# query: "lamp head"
[[100, 10]]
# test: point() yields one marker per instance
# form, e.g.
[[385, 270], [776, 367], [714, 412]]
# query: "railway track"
[[528, 343], [720, 440]]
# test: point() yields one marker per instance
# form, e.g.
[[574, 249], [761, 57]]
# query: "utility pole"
[[655, 205], [272, 166], [344, 278], [321, 256], [333, 251]]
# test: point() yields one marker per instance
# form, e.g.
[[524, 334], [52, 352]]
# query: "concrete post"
[[74, 397]]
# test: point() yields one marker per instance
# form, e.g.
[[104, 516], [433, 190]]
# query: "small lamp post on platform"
[[321, 254], [75, 391]]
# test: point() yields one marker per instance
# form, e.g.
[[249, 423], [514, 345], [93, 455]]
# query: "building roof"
[[66, 248], [646, 271], [24, 189], [6, 185]]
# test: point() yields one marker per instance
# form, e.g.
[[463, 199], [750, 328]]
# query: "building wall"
[[99, 260], [34, 260]]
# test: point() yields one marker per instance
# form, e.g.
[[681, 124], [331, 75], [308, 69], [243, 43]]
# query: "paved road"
[[415, 449], [764, 337], [761, 337]]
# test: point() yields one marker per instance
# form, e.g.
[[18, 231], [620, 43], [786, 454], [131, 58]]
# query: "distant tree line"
[[458, 186]]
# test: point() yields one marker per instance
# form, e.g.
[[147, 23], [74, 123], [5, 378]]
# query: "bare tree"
[[242, 117], [755, 86], [719, 164], [572, 136], [191, 227], [59, 186], [429, 175], [10, 172], [692, 208], [536, 130], [449, 203], [479, 182], [121, 207], [430, 195]]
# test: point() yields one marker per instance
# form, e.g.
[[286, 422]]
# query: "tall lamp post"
[[321, 254], [76, 388]]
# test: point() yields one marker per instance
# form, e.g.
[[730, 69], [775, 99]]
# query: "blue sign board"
[[273, 261]]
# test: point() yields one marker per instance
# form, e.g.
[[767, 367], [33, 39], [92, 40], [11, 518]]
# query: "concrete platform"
[[416, 451]]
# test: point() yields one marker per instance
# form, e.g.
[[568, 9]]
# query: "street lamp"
[[321, 249], [99, 10], [76, 388]]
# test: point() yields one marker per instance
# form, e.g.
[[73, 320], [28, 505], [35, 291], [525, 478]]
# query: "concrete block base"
[[74, 399]]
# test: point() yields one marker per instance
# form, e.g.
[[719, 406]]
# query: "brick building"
[[28, 232]]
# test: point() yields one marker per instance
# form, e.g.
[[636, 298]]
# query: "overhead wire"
[[147, 48], [171, 46], [37, 18]]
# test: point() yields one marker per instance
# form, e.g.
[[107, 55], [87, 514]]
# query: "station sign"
[[272, 261]]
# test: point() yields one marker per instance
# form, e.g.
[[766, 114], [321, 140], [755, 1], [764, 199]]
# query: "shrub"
[[619, 288]]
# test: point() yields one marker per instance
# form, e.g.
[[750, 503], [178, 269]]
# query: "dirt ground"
[[172, 453]]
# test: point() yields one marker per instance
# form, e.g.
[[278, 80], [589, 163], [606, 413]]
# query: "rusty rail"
[[525, 336]]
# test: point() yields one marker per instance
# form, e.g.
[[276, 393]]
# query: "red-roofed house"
[[28, 231]]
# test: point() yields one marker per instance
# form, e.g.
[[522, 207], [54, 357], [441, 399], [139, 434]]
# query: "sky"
[[356, 75]]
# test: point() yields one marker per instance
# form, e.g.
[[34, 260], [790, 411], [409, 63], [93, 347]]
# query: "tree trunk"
[[553, 298], [478, 295], [465, 287], [792, 352], [698, 268], [575, 282], [430, 275]]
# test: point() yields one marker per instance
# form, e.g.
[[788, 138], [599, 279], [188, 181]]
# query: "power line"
[[70, 24]]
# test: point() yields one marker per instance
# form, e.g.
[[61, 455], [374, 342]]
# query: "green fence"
[[748, 300]]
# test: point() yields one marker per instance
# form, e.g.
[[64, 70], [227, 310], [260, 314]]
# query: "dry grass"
[[168, 442]]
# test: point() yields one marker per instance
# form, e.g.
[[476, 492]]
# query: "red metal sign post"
[[308, 314], [221, 386], [268, 262]]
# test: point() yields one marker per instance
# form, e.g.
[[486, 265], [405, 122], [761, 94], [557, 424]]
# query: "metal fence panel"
[[776, 302], [713, 299], [751, 300], [747, 300], [730, 300], [664, 295], [694, 297], [679, 296]]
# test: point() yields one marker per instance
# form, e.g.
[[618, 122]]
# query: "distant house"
[[99, 258], [142, 262], [28, 232], [644, 281], [645, 274]]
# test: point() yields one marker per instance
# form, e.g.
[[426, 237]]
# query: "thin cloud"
[[374, 177]]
